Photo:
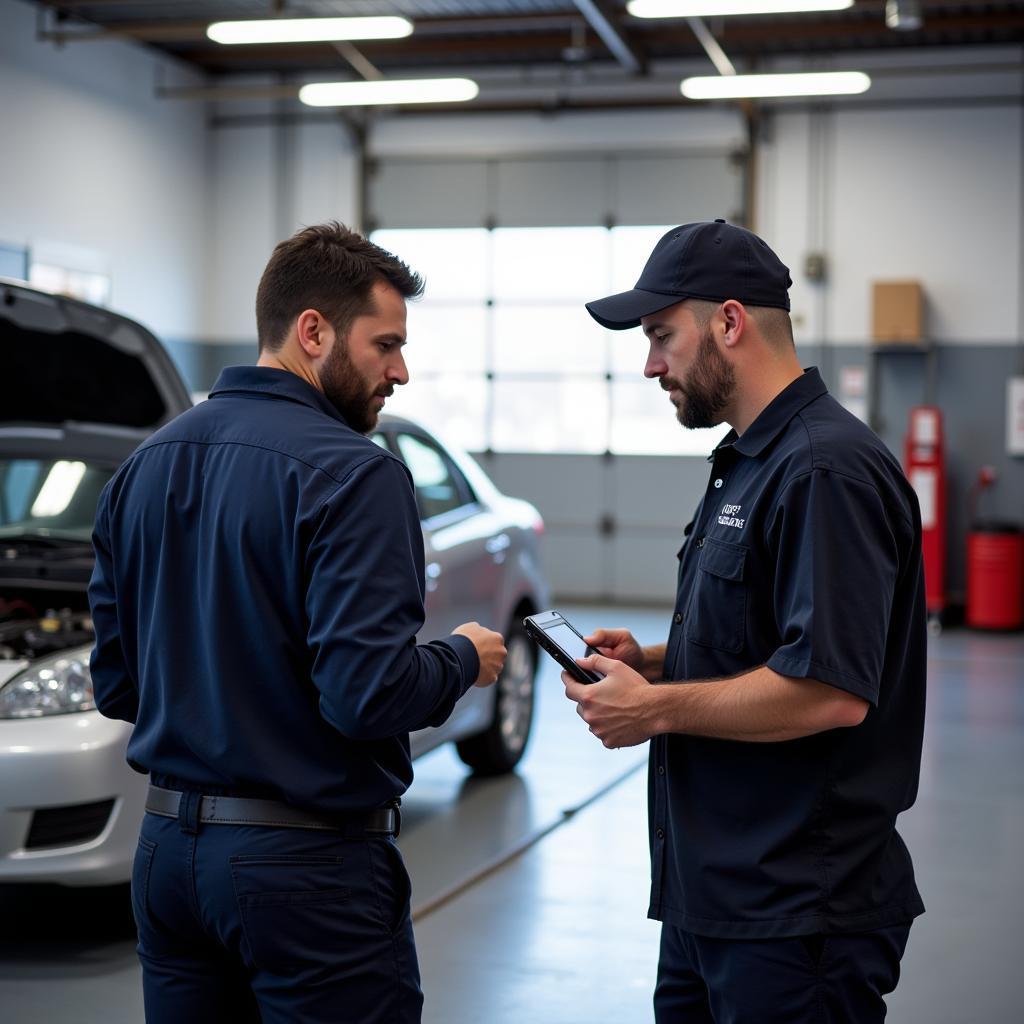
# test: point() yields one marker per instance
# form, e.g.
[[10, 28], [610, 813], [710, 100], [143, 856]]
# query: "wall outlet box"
[[1015, 416], [897, 311], [815, 266]]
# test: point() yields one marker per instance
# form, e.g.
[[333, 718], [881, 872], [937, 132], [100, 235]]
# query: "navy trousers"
[[811, 979], [243, 923]]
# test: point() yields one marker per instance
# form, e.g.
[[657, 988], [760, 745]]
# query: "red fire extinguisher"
[[995, 565], [925, 464]]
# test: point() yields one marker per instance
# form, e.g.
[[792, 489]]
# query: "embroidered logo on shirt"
[[728, 517]]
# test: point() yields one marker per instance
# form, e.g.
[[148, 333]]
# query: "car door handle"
[[495, 545], [433, 574]]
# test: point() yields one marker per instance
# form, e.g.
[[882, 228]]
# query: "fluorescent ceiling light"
[[717, 8], [308, 30], [399, 91], [810, 83]]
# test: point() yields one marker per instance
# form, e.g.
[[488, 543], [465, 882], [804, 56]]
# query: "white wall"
[[928, 190], [934, 195], [91, 160], [267, 180]]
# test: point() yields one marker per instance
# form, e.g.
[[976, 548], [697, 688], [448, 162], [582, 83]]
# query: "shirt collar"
[[774, 418], [266, 380]]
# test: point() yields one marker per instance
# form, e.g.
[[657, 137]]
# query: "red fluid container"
[[995, 578]]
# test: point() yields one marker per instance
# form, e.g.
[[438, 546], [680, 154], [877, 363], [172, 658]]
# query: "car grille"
[[67, 826]]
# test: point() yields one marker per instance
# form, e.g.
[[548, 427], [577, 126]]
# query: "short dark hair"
[[775, 324], [329, 268]]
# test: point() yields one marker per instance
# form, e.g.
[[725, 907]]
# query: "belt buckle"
[[395, 808]]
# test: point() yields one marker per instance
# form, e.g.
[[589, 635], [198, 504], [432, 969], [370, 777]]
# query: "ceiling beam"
[[715, 53], [163, 29], [545, 32], [357, 61], [547, 49], [540, 39], [77, 5], [602, 22]]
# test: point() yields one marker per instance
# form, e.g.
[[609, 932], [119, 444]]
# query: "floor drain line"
[[513, 853]]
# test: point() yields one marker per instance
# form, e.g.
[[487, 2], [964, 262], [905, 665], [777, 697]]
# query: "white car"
[[81, 388]]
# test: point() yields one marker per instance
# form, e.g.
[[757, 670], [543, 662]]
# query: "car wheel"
[[499, 747]]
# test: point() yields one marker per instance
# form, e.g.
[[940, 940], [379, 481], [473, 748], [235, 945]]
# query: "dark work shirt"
[[805, 556], [257, 593]]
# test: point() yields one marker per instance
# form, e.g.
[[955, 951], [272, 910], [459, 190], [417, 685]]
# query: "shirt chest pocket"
[[717, 614]]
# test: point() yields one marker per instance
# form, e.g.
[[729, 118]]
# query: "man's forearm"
[[759, 706], [653, 665]]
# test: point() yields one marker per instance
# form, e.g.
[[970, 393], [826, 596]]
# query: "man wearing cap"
[[790, 738]]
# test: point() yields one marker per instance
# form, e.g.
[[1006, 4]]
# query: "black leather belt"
[[236, 810]]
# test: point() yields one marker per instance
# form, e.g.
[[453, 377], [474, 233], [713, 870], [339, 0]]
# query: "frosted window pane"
[[630, 247], [452, 260], [628, 353], [548, 339], [89, 286], [454, 405], [550, 263], [445, 337], [569, 415], [644, 423]]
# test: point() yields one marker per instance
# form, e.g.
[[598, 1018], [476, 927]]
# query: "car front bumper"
[[70, 806]]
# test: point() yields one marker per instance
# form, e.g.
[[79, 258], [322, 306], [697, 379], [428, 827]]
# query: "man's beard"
[[348, 391], [708, 388]]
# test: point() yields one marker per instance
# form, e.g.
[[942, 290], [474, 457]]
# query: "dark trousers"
[[811, 979], [242, 923]]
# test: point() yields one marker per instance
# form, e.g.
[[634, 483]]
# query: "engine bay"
[[34, 630]]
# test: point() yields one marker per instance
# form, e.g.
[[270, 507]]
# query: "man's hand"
[[619, 709], [618, 644], [490, 647]]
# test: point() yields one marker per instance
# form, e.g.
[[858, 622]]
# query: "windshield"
[[50, 497]]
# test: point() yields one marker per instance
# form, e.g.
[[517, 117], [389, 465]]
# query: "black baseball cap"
[[708, 260]]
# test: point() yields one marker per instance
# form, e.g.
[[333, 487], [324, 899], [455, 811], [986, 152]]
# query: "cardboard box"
[[897, 311]]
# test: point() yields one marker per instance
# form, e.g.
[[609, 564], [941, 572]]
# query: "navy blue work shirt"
[[256, 597], [805, 556]]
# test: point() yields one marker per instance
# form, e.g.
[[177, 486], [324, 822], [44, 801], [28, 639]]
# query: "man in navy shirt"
[[790, 737], [256, 597]]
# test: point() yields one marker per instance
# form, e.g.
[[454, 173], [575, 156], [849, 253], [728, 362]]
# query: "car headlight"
[[52, 686]]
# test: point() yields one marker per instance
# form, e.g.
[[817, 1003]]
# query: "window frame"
[[469, 503], [679, 444]]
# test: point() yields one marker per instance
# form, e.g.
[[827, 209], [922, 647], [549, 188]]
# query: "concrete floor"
[[530, 891]]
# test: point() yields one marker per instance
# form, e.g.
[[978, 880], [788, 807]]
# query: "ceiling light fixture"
[[809, 83], [718, 8], [391, 93], [903, 15], [307, 30]]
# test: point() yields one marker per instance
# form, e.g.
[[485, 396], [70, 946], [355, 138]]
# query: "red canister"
[[995, 577]]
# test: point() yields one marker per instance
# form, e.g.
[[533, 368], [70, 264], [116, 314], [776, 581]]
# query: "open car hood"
[[66, 361]]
